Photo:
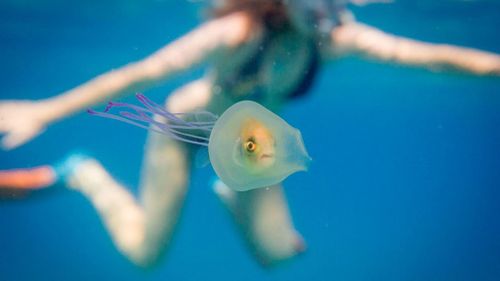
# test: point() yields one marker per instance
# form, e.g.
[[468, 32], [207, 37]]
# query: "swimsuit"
[[248, 79]]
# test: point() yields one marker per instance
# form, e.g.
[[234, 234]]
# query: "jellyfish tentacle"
[[122, 119], [164, 127], [173, 126], [214, 117], [158, 109], [112, 104], [144, 111], [145, 118], [154, 128], [173, 131], [206, 126], [143, 114]]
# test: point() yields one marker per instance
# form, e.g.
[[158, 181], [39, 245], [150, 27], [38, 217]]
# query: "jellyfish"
[[249, 146]]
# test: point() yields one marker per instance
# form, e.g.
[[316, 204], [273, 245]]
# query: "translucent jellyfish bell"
[[251, 147]]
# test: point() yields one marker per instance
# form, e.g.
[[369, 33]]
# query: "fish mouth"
[[267, 155]]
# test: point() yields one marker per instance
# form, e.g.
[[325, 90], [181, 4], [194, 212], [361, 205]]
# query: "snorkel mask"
[[316, 16]]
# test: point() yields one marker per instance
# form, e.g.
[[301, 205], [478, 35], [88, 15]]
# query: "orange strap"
[[33, 178]]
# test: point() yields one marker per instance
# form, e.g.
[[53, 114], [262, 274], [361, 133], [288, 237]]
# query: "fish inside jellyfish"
[[249, 146]]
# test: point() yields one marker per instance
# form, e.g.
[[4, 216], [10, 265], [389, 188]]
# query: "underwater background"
[[405, 183]]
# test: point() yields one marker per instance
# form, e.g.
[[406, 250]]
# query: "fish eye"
[[250, 146]]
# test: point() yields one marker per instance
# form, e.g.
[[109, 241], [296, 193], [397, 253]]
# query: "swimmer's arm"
[[188, 51], [359, 39]]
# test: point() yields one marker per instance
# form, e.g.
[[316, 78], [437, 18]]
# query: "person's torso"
[[270, 68]]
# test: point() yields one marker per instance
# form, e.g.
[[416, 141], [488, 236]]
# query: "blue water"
[[405, 183]]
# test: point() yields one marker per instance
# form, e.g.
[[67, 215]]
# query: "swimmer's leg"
[[264, 219], [116, 206], [141, 229]]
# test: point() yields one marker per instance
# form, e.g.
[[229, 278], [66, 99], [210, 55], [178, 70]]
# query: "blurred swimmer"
[[263, 50]]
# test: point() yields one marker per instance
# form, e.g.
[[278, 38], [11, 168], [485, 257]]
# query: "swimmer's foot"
[[66, 168], [28, 179], [87, 175]]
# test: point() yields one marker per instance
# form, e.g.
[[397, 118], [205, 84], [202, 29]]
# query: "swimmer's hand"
[[20, 121]]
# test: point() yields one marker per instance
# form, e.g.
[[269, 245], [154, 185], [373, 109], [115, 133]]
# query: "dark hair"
[[271, 13]]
